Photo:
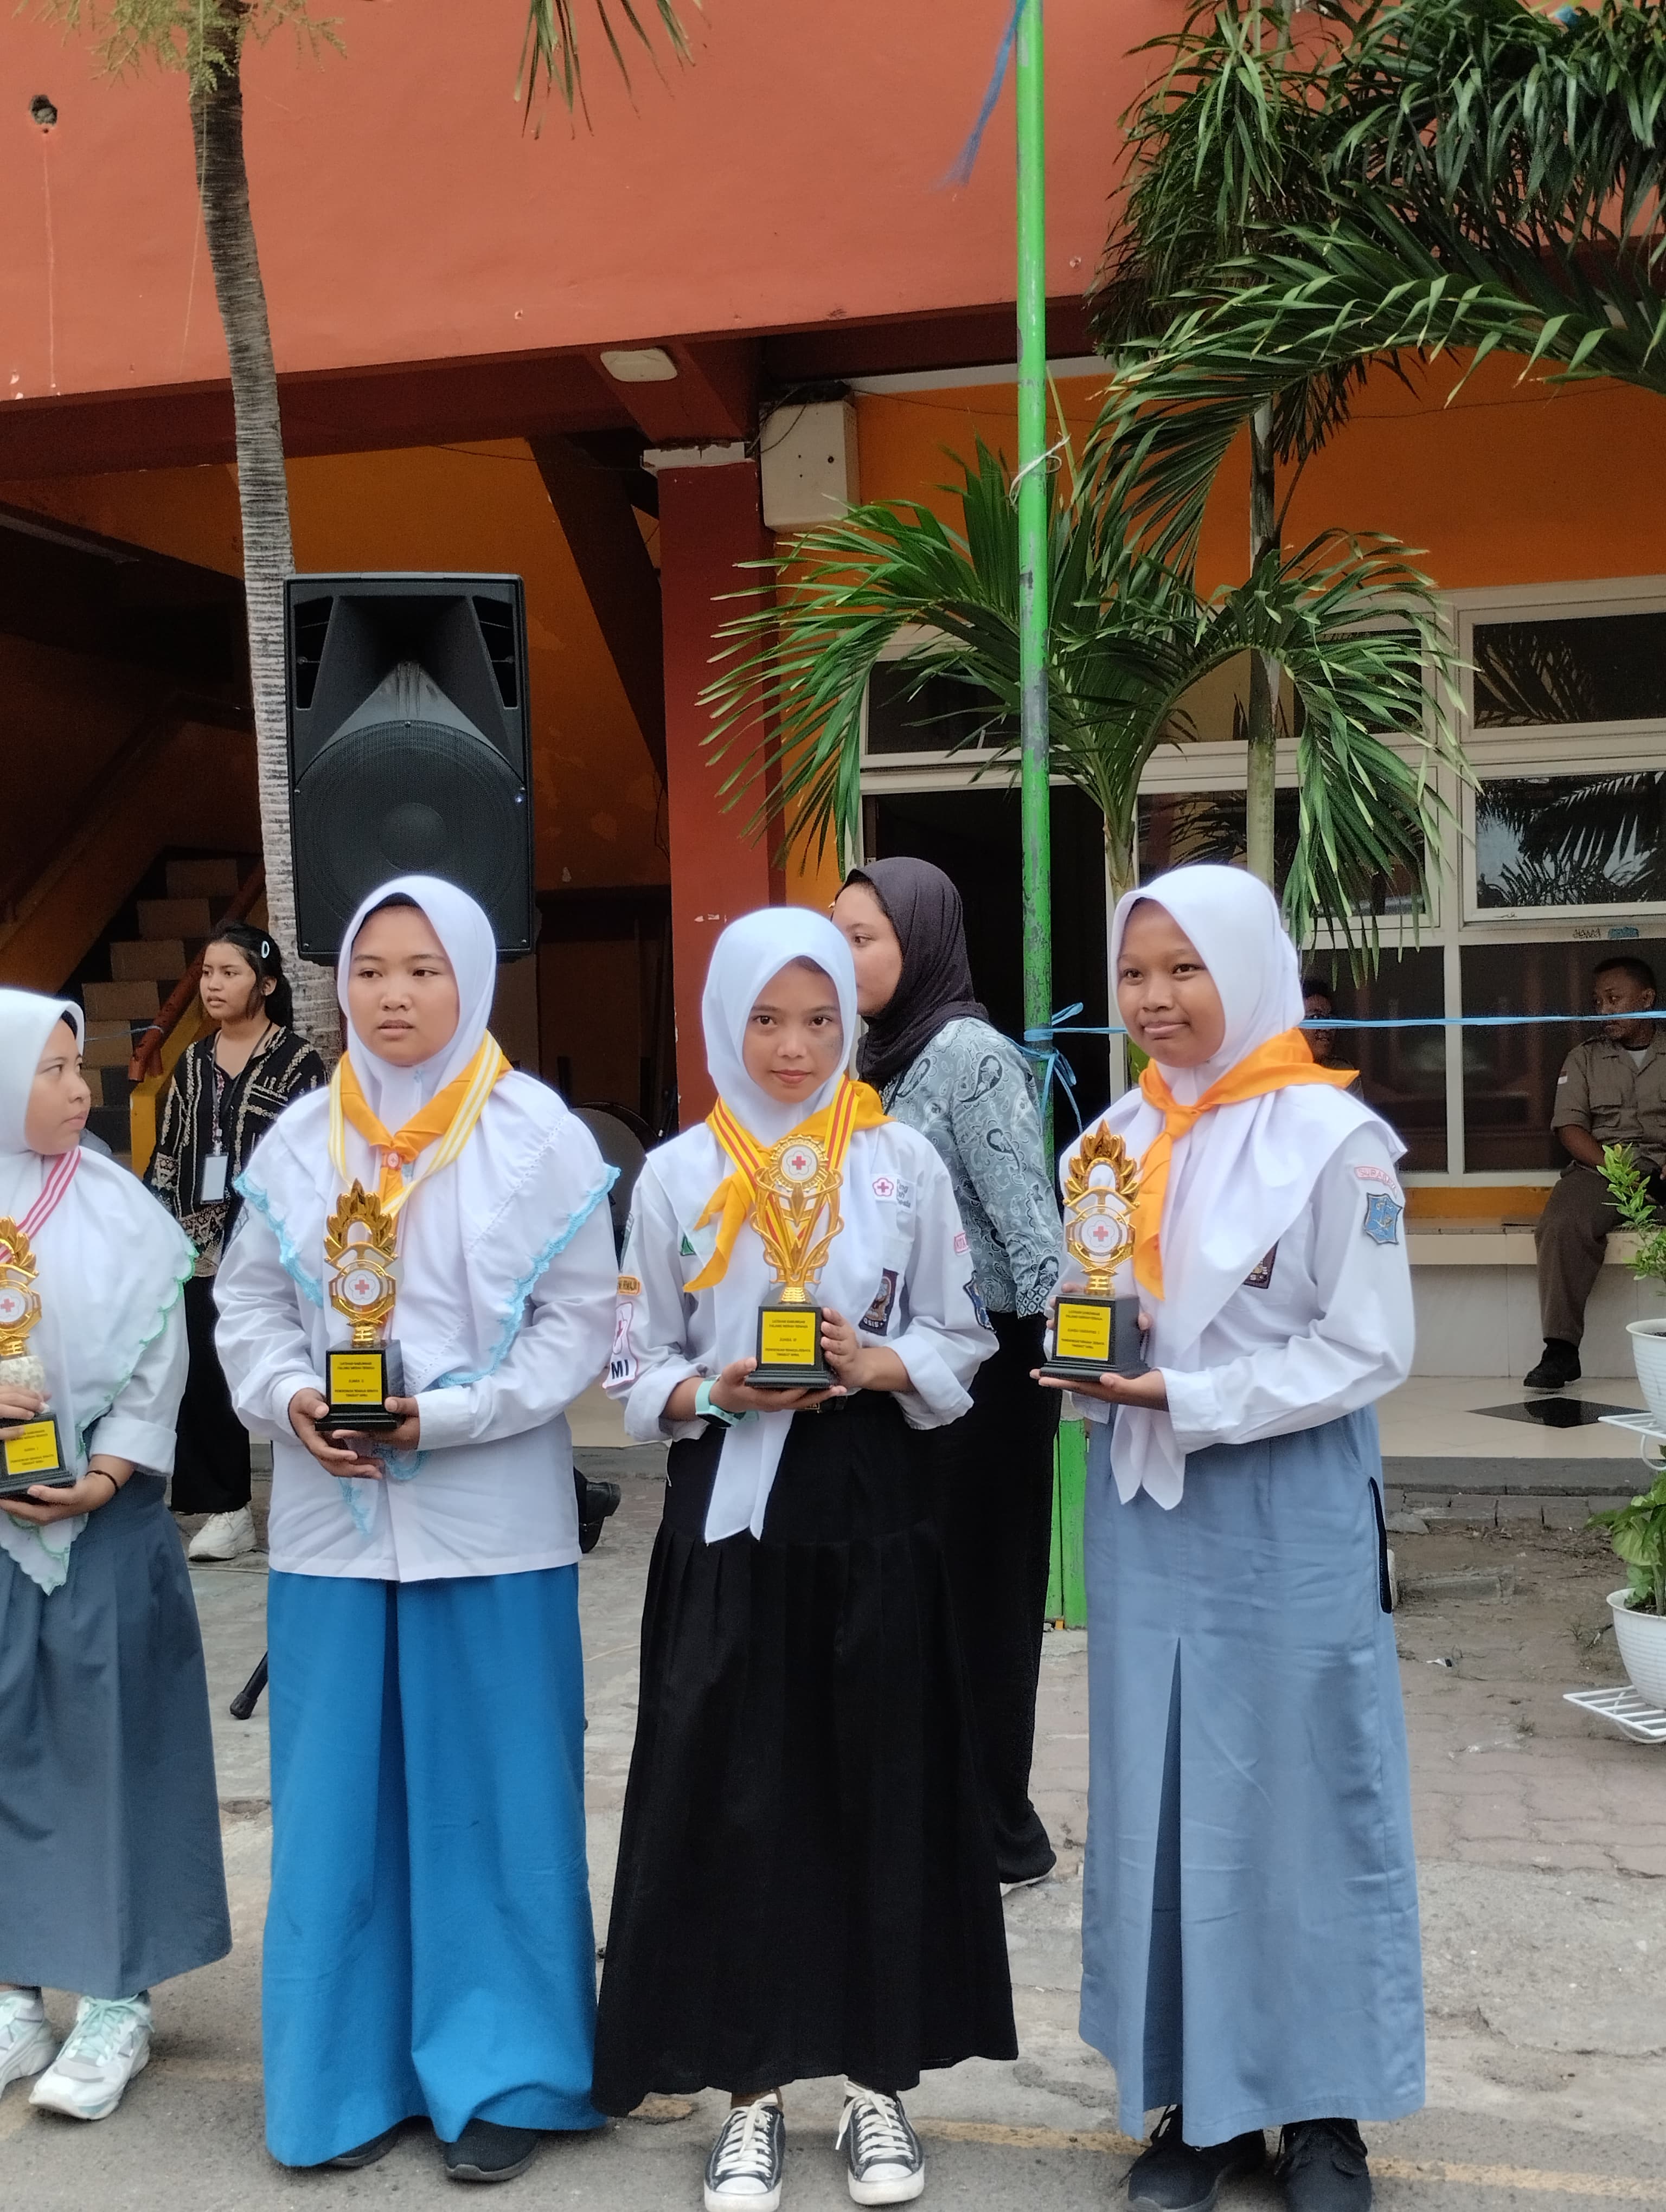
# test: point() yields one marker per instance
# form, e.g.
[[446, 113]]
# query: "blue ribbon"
[[966, 162], [1038, 1043]]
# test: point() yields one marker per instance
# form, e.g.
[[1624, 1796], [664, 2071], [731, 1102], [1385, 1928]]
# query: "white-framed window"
[[1556, 860]]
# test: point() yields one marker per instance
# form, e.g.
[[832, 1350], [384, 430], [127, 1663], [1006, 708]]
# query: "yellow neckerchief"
[[449, 1117], [854, 1106], [1282, 1061]]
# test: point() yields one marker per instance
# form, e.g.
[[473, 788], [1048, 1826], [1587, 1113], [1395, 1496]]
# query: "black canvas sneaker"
[[1171, 2175], [1322, 2168], [884, 2162], [743, 2174]]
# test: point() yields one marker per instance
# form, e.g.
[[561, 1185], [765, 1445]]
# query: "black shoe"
[[1172, 2175], [1558, 1367], [486, 2151], [1322, 2168], [368, 2153], [597, 1500]]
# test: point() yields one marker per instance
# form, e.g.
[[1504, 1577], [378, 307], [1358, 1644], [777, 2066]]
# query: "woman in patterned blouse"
[[939, 1066], [226, 1091]]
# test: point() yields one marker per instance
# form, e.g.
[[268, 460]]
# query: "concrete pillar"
[[710, 520]]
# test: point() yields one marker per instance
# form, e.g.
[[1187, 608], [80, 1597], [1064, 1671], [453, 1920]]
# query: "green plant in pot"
[[1635, 1189], [1637, 1530]]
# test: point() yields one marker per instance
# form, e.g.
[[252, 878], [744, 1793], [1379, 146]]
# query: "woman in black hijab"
[[939, 1064]]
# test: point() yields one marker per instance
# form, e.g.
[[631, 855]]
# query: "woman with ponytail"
[[226, 1091]]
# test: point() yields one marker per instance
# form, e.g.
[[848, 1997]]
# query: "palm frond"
[[549, 58]]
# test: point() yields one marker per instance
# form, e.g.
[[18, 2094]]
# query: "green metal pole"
[[1032, 524]]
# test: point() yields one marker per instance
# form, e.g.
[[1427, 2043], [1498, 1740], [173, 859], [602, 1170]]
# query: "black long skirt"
[[994, 1471], [211, 1448], [806, 1882]]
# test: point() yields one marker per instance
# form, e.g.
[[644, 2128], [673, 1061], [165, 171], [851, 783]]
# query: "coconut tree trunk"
[[216, 115], [1262, 728]]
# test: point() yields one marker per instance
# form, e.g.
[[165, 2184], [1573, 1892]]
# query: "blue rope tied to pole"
[[1053, 1066], [960, 171]]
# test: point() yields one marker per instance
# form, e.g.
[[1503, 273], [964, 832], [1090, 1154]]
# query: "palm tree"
[[205, 39], [1353, 626], [1488, 180]]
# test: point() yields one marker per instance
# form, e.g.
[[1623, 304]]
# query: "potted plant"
[[1628, 1183], [1637, 1533]]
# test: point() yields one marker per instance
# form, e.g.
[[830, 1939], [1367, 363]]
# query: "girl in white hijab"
[[422, 1604], [109, 1815], [1250, 1934], [807, 1880]]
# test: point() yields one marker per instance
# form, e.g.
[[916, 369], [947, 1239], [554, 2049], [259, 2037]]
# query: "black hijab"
[[935, 986]]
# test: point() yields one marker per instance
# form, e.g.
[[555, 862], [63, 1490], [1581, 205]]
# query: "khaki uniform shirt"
[[1600, 1090]]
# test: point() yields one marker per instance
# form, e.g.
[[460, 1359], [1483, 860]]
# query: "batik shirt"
[[970, 1096]]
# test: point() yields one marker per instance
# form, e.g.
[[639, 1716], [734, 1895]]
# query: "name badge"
[[213, 1186]]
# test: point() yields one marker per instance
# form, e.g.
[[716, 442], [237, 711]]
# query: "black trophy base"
[[34, 1457], [358, 1384], [789, 1350], [1096, 1337]]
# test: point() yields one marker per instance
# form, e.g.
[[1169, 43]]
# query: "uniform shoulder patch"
[[978, 1306], [1381, 1223], [877, 1319]]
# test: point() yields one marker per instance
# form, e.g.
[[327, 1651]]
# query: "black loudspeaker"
[[409, 746]]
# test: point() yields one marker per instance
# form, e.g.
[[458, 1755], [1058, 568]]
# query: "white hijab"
[[473, 1238], [745, 958], [1241, 1176], [111, 1265]]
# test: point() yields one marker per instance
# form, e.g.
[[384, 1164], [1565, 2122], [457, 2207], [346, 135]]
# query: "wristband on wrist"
[[105, 1473], [705, 1410]]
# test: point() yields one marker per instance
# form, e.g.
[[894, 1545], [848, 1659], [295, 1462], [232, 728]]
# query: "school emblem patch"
[[978, 1306], [1383, 1218], [877, 1319]]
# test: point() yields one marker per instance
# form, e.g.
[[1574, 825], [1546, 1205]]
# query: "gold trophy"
[[795, 1186], [35, 1454], [1094, 1332], [359, 1243]]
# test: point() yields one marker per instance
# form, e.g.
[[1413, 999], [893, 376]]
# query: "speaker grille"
[[403, 799]]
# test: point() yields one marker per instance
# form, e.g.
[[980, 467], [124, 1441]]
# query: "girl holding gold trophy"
[[420, 1285], [806, 1880], [1250, 1934], [110, 1868]]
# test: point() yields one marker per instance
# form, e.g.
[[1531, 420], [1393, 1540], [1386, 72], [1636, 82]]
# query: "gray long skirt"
[[111, 1877], [1249, 1933]]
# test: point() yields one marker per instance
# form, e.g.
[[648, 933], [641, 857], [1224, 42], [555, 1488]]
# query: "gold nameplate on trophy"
[[1094, 1332], [35, 1454], [797, 1188], [361, 1241]]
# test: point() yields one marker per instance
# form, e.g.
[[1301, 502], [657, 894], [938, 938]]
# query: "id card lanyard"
[[212, 1187]]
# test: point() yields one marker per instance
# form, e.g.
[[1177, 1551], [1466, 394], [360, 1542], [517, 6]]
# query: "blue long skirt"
[[1249, 1933], [429, 1950]]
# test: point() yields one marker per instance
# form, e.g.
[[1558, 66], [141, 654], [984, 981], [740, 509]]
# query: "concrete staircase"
[[173, 929]]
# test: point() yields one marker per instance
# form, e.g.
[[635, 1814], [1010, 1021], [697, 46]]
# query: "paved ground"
[[1543, 1857]]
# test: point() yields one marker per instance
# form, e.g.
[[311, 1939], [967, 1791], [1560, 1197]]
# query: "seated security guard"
[[1611, 1090]]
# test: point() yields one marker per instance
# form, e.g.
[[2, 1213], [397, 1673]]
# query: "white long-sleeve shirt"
[[902, 1249], [141, 1424], [1330, 1329], [493, 1490]]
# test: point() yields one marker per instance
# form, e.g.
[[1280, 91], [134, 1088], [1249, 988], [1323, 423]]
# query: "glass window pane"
[[1571, 840], [1176, 827], [1510, 1073], [1592, 668], [939, 716], [1402, 1071]]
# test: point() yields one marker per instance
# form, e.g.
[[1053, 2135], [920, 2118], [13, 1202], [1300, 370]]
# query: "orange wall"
[[792, 176], [480, 506], [1502, 482]]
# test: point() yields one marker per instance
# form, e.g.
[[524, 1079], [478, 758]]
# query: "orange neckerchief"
[[854, 1106], [1274, 1065], [461, 1103]]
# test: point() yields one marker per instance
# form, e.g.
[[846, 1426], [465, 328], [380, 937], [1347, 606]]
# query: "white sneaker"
[[743, 2174], [885, 2164], [224, 1536], [109, 2044], [27, 2041]]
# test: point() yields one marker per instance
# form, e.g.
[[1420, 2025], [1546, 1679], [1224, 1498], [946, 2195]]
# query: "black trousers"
[[994, 1497], [211, 1453]]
